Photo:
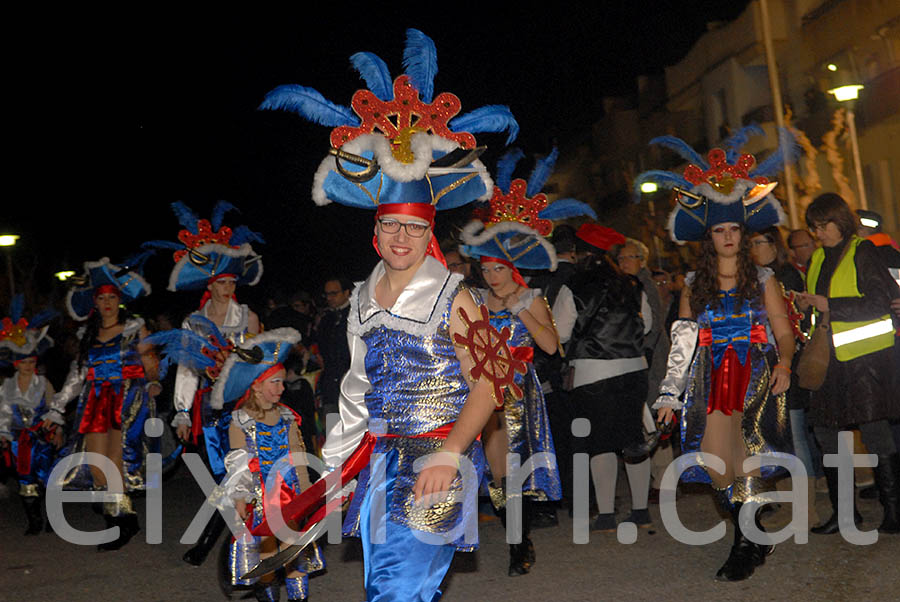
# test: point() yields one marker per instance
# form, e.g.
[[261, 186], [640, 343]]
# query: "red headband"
[[421, 210], [264, 376], [107, 289], [516, 275], [207, 295]]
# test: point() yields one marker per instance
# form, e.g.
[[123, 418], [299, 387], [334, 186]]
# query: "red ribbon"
[[757, 335], [523, 354], [312, 501], [197, 413], [516, 275]]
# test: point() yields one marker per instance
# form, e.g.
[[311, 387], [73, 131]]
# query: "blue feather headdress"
[[207, 249], [21, 338], [394, 144], [233, 369], [726, 186], [518, 219]]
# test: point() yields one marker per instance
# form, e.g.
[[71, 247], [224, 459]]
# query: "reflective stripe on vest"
[[855, 338]]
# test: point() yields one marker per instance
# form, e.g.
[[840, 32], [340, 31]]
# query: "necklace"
[[721, 275], [102, 327]]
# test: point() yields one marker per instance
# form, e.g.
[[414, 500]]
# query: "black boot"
[[223, 567], [830, 527], [521, 555], [128, 528], [33, 514], [887, 479], [211, 532], [267, 592], [744, 557]]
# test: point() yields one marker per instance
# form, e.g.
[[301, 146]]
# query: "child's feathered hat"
[[21, 338]]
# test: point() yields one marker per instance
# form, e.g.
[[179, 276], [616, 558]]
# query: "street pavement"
[[655, 567]]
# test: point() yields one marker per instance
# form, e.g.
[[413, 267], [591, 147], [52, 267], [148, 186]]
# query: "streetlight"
[[64, 275], [649, 187], [849, 94], [8, 241]]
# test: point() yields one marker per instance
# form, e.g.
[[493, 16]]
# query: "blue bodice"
[[107, 361], [272, 444], [732, 325], [416, 381]]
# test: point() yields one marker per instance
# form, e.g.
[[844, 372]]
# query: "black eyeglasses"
[[392, 226]]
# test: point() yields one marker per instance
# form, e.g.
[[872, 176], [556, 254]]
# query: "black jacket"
[[609, 324]]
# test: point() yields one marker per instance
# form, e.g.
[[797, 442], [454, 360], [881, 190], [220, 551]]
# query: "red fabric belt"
[[312, 501], [757, 335]]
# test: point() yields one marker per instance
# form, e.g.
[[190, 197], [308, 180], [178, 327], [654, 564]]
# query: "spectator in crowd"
[[459, 264], [609, 380], [802, 245], [331, 336], [847, 279], [768, 251]]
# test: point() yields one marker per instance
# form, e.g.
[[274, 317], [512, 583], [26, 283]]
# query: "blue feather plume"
[[734, 143], [218, 214], [186, 217], [543, 168], [243, 234], [683, 149], [16, 307], [42, 318], [136, 262], [163, 244], [506, 166], [787, 152], [564, 208], [180, 346], [375, 73], [310, 104], [420, 62], [490, 118], [206, 328], [660, 177]]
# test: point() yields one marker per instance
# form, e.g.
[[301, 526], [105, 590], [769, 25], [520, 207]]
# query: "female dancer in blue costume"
[[215, 259], [734, 404], [114, 379], [506, 240], [521, 426], [24, 400]]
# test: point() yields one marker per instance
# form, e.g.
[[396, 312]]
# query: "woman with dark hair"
[[734, 405], [115, 380], [768, 250], [847, 280]]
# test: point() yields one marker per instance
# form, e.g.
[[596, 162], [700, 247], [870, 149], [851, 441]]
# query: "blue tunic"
[[527, 425]]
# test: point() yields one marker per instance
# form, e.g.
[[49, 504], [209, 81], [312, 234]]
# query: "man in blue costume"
[[411, 384]]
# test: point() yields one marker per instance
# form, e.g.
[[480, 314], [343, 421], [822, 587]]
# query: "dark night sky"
[[117, 115]]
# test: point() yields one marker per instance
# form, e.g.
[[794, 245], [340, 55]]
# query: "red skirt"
[[728, 384], [102, 411]]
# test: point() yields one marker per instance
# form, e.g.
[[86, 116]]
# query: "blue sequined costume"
[[527, 426], [20, 412], [192, 393], [268, 445], [405, 380], [765, 424], [111, 367]]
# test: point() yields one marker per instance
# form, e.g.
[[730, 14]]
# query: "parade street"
[[656, 567]]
